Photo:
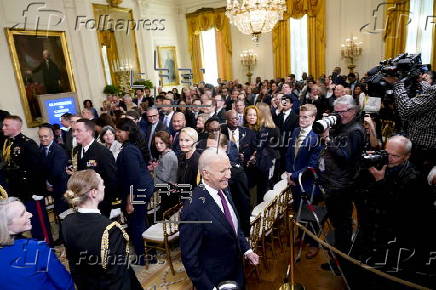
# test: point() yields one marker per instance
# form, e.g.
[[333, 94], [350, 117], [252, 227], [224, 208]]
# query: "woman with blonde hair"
[[187, 172], [267, 150], [26, 263], [97, 248]]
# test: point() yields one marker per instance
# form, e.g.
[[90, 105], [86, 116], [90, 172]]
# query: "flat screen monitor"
[[55, 105]]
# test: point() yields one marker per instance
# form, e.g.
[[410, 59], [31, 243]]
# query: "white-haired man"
[[339, 169], [214, 246]]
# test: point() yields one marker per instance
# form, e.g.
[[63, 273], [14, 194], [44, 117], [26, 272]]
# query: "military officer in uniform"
[[89, 154], [20, 166]]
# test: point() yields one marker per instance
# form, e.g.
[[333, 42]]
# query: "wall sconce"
[[248, 59], [351, 50]]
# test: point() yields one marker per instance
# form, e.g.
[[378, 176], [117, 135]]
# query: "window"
[[420, 29], [299, 49], [208, 56]]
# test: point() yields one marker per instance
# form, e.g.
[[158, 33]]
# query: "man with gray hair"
[[338, 164], [395, 216], [212, 243]]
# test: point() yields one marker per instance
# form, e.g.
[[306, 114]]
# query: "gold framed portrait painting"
[[167, 59], [42, 66]]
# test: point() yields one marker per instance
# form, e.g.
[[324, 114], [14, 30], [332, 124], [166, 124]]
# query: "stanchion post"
[[289, 281]]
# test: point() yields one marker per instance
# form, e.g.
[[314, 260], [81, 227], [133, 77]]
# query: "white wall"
[[83, 45], [344, 18], [263, 50]]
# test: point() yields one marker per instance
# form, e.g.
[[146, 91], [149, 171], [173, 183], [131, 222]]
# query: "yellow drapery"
[[397, 18], [433, 54], [315, 10], [205, 19]]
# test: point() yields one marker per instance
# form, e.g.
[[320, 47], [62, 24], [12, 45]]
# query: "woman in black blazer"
[[188, 161], [97, 249], [133, 176]]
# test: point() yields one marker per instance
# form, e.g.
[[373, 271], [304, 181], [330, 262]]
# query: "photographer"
[[420, 114], [339, 168], [392, 216]]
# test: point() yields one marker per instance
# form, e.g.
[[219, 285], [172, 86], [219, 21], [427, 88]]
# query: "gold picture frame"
[[42, 65], [167, 58]]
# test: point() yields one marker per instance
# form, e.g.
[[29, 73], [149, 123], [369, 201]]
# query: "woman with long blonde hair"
[[267, 150]]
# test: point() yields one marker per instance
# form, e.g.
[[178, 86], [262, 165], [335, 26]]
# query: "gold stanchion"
[[289, 280]]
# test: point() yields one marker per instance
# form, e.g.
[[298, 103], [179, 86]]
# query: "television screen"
[[55, 105]]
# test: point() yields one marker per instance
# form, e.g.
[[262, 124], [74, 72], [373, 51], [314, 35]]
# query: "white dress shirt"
[[85, 148], [88, 210], [300, 138], [236, 136]]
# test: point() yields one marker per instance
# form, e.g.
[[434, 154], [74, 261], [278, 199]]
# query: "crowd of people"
[[230, 146]]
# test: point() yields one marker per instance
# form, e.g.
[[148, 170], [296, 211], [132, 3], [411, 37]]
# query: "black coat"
[[187, 172], [99, 158], [82, 233], [247, 141], [53, 165], [23, 173], [147, 132]]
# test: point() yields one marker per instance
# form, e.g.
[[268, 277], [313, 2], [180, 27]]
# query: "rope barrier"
[[359, 263]]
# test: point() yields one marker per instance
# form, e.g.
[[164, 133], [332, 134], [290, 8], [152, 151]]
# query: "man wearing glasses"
[[344, 145], [153, 125]]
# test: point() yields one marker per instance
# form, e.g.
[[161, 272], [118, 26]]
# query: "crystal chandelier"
[[254, 17]]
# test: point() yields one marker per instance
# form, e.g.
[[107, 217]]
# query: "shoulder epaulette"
[[105, 242]]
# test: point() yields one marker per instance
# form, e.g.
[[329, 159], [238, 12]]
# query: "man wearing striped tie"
[[303, 152]]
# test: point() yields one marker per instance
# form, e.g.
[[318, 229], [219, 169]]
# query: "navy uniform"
[[20, 167], [97, 252], [99, 158]]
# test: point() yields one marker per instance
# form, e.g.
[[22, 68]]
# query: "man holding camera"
[[339, 168], [393, 217]]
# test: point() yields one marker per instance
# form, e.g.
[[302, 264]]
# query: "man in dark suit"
[[244, 138], [178, 123], [152, 125], [54, 161], [50, 73], [220, 110], [166, 115], [213, 249], [89, 154], [303, 152], [286, 120]]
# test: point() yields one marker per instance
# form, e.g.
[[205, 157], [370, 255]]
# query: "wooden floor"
[[307, 273]]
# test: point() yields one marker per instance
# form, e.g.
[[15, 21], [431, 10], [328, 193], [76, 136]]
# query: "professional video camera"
[[327, 122], [406, 67], [375, 159]]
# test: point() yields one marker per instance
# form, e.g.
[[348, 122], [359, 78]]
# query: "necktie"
[[300, 140], [166, 121], [175, 138], [153, 127], [226, 210], [46, 150], [232, 138], [47, 63], [240, 120]]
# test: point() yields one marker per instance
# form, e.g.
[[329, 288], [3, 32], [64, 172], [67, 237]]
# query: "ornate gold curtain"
[[315, 10], [205, 19], [397, 18]]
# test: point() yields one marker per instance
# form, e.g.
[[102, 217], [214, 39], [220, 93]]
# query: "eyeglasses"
[[341, 112], [152, 116]]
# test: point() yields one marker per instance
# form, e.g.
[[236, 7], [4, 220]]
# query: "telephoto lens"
[[326, 122], [228, 285]]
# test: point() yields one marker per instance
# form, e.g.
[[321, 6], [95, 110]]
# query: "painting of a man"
[[42, 67], [167, 60]]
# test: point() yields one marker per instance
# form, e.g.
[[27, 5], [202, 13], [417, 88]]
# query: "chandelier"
[[254, 17]]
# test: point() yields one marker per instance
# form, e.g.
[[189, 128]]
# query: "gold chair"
[[160, 235], [255, 237], [269, 216]]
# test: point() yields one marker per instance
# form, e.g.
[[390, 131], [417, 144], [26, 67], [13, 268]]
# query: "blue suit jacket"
[[132, 170], [211, 251], [307, 156], [31, 264]]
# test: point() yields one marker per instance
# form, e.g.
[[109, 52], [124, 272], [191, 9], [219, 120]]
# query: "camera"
[[406, 67], [326, 122], [376, 159]]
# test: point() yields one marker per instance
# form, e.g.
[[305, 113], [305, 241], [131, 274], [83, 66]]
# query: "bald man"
[[178, 123]]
